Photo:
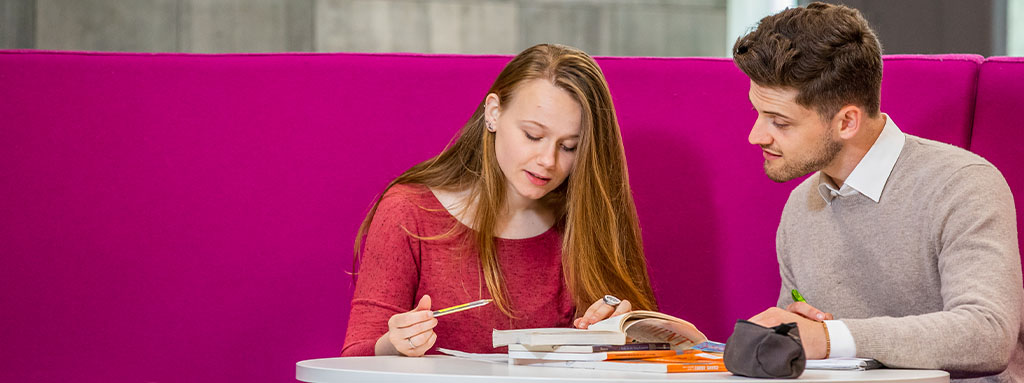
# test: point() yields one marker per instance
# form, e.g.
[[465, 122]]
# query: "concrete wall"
[[601, 27]]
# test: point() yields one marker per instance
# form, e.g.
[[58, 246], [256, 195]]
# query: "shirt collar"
[[871, 173]]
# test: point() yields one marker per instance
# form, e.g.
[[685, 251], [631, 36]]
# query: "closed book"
[[633, 365], [590, 348], [556, 336], [688, 361], [609, 355]]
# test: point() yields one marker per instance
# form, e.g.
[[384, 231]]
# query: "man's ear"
[[848, 121]]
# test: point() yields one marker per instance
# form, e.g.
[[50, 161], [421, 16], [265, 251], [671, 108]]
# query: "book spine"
[[618, 355], [696, 367], [633, 347]]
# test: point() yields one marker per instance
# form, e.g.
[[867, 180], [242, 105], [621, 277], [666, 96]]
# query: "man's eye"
[[778, 125]]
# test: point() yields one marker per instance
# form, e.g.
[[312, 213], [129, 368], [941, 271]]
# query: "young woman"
[[530, 207]]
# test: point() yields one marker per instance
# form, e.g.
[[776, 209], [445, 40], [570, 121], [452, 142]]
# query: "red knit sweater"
[[397, 270]]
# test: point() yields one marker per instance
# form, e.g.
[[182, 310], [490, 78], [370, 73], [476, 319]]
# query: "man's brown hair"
[[828, 53]]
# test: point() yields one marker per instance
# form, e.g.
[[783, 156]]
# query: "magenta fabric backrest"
[[190, 217], [997, 129], [177, 218], [932, 96], [708, 212]]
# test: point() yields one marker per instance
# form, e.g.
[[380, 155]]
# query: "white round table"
[[447, 369]]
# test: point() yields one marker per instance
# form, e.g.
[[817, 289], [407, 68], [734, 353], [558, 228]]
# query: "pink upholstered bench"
[[172, 217]]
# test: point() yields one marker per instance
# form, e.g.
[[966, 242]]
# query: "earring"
[[490, 127]]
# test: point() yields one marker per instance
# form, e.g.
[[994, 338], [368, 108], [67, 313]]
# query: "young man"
[[910, 243]]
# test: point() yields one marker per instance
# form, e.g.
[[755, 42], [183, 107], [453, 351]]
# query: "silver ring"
[[411, 345], [611, 300]]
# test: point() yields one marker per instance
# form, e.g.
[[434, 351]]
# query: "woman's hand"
[[410, 333], [600, 311]]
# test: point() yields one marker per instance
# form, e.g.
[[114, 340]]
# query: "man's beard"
[[827, 152]]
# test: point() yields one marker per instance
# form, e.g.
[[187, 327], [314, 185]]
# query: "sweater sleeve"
[[388, 275], [980, 270], [785, 297]]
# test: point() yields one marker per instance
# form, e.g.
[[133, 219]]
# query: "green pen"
[[797, 297]]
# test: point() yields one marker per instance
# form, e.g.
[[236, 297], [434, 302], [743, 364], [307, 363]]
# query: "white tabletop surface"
[[447, 369]]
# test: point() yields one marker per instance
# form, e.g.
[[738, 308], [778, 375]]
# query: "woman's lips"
[[535, 179]]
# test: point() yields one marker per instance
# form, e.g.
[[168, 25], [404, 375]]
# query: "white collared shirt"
[[871, 173], [868, 178]]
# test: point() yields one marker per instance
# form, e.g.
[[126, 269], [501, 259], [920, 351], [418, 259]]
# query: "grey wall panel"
[[489, 27], [669, 30], [234, 25], [107, 25], [299, 28], [578, 25], [17, 24], [601, 27]]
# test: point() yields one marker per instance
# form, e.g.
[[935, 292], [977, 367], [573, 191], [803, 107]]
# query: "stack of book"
[[635, 341]]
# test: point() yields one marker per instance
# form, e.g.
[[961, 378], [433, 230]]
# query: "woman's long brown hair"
[[602, 252]]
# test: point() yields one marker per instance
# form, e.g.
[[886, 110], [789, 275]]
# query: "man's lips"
[[770, 155]]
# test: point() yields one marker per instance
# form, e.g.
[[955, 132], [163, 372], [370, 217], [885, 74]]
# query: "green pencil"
[[797, 297]]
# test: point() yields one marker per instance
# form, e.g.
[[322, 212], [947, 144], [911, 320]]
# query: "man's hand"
[[808, 311], [812, 333]]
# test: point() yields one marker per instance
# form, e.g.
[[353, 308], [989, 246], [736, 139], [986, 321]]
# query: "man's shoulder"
[[930, 163], [923, 152]]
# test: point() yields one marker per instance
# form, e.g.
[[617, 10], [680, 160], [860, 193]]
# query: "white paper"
[[842, 364], [492, 358]]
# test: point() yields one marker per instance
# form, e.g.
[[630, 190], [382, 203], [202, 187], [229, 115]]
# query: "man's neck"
[[854, 150]]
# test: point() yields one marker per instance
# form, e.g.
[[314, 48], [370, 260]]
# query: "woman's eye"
[[531, 138], [568, 149]]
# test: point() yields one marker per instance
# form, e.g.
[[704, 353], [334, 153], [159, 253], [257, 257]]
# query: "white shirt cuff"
[[842, 344]]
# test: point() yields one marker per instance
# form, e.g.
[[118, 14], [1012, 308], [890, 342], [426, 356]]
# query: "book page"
[[650, 326], [681, 335]]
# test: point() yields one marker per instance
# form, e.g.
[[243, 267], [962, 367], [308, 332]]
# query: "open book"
[[635, 326]]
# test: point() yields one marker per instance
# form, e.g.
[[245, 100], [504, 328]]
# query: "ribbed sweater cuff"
[[867, 340]]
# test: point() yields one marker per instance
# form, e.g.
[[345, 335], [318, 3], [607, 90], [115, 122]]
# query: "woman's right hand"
[[410, 333]]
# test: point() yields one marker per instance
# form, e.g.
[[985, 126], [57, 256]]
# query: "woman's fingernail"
[[821, 316]]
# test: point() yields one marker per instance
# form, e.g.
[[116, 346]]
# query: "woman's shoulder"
[[409, 199]]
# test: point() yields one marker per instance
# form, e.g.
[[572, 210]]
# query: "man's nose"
[[758, 135]]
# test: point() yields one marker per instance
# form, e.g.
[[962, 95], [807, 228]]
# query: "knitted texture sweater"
[[397, 269], [928, 277]]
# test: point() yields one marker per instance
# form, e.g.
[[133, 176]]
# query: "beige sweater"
[[928, 277]]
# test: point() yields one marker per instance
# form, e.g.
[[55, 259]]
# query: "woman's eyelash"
[[565, 148]]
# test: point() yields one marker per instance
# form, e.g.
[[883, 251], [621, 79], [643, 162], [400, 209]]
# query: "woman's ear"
[[492, 107]]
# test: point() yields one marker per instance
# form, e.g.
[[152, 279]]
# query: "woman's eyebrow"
[[545, 127]]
